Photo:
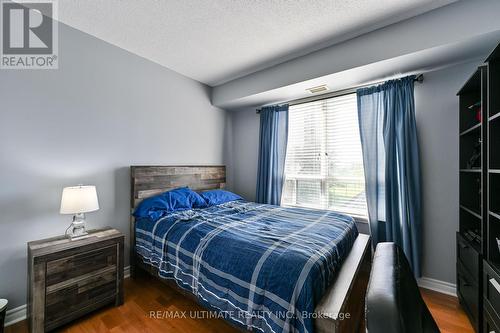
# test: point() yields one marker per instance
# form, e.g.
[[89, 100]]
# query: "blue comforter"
[[261, 267]]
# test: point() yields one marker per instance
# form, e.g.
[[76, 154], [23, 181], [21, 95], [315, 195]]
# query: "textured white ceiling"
[[215, 41]]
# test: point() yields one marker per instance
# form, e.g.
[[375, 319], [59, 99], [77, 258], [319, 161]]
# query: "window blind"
[[324, 163]]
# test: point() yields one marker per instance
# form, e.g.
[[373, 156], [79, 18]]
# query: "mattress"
[[261, 267]]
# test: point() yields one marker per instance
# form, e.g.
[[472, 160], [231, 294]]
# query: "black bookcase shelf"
[[495, 116], [493, 234], [471, 212], [492, 255], [471, 170], [494, 198], [479, 225], [470, 191], [476, 127], [495, 215], [494, 145], [472, 176]]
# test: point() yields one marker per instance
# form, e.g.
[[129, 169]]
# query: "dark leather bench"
[[393, 300]]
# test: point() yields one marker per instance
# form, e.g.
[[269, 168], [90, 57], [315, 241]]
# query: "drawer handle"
[[495, 284], [464, 247]]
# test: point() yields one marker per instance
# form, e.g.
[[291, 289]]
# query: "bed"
[[263, 268]]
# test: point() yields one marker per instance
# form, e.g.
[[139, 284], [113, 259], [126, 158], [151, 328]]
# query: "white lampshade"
[[79, 199]]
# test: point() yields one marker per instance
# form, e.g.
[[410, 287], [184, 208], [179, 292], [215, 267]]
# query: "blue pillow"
[[217, 197], [184, 198], [159, 205], [152, 208]]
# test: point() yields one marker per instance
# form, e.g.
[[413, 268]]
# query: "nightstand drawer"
[[80, 264], [73, 295]]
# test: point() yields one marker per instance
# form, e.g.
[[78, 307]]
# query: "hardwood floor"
[[447, 312], [146, 294]]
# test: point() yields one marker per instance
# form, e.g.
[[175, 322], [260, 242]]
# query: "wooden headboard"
[[150, 180]]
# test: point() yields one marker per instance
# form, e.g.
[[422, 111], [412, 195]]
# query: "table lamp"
[[78, 200]]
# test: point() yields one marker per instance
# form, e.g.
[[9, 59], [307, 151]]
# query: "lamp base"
[[77, 227]]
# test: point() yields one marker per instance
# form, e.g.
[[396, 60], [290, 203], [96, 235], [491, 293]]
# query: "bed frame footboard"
[[342, 308]]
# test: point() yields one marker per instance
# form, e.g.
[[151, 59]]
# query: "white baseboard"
[[126, 272], [15, 315], [438, 285]]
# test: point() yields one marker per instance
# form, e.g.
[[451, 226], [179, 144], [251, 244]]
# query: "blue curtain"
[[272, 150], [392, 167]]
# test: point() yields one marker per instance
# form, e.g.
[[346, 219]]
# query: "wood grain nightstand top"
[[61, 243]]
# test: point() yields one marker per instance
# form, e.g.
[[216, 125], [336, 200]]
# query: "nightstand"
[[70, 278]]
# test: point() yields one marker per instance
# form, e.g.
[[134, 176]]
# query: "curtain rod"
[[419, 79]]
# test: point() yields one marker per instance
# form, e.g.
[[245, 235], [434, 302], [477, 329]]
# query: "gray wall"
[[244, 153], [437, 121], [87, 122], [436, 106]]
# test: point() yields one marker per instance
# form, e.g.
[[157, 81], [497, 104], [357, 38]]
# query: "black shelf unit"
[[491, 254], [478, 238], [470, 237]]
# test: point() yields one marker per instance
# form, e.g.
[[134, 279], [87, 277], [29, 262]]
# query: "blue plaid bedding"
[[262, 267]]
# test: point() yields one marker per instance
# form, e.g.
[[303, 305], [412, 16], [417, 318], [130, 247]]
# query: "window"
[[324, 162]]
